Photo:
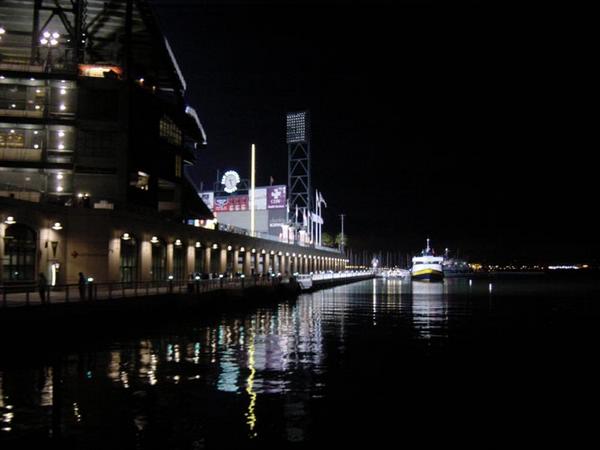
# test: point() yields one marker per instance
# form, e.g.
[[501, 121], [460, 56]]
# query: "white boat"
[[427, 266], [304, 281], [394, 273]]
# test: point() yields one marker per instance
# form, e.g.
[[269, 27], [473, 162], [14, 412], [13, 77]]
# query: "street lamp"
[[50, 40]]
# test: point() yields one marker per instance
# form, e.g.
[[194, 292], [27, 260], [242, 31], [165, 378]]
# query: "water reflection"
[[275, 375], [429, 309]]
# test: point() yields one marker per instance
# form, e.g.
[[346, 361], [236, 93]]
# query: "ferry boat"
[[455, 267], [427, 266]]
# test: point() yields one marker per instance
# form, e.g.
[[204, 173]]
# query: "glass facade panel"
[[170, 132], [178, 262], [129, 260], [19, 254], [159, 262]]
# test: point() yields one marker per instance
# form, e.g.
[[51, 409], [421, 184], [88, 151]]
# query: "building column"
[[2, 231], [247, 265], [191, 260], [282, 263], [235, 265], [222, 260], [145, 261], [266, 262], [207, 254], [169, 259], [114, 261]]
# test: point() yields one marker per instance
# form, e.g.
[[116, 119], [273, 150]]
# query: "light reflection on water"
[[240, 378]]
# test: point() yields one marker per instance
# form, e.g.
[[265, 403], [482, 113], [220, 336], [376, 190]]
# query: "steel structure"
[[299, 166], [110, 32]]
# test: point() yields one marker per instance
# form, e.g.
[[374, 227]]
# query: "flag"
[[322, 200]]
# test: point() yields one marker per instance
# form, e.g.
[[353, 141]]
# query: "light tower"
[[299, 177]]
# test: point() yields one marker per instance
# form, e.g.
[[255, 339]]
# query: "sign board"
[[276, 197], [231, 203]]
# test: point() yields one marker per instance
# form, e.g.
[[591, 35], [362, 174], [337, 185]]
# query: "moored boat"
[[427, 266]]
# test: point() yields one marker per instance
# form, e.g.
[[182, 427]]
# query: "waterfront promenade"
[[29, 295]]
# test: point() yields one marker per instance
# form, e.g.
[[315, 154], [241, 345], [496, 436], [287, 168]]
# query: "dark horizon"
[[459, 124]]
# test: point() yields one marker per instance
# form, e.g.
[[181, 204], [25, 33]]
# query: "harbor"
[[289, 225], [281, 373]]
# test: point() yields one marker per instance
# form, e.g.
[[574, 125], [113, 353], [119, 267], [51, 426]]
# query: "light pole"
[[50, 40], [342, 237]]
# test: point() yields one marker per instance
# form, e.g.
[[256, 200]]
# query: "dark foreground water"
[[382, 364]]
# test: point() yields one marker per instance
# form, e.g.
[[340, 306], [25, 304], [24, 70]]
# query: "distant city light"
[[563, 267]]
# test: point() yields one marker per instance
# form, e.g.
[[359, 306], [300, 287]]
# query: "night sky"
[[464, 124]]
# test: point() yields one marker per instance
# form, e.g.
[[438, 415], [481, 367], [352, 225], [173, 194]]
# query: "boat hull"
[[428, 275]]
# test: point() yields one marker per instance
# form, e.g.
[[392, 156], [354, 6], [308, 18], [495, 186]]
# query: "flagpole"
[[252, 189]]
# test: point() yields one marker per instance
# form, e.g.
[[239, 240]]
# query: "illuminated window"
[[170, 132], [11, 138]]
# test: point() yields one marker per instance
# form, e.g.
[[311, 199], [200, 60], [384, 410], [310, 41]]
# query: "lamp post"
[[50, 40]]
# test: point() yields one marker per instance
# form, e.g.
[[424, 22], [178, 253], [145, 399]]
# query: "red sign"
[[231, 203]]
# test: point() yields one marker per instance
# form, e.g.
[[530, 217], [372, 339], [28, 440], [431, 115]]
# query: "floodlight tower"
[[299, 177]]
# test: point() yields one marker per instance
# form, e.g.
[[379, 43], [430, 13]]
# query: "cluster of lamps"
[[10, 220]]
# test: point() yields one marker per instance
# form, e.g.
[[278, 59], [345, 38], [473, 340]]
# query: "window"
[[159, 261], [12, 138], [199, 260], [178, 262], [129, 260], [19, 253], [170, 132]]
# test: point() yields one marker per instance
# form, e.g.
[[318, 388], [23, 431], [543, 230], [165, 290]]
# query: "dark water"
[[378, 363]]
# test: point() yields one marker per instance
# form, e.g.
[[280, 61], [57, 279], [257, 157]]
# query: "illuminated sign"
[[89, 70], [230, 180]]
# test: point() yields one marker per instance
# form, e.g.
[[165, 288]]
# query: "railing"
[[340, 275], [32, 294]]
